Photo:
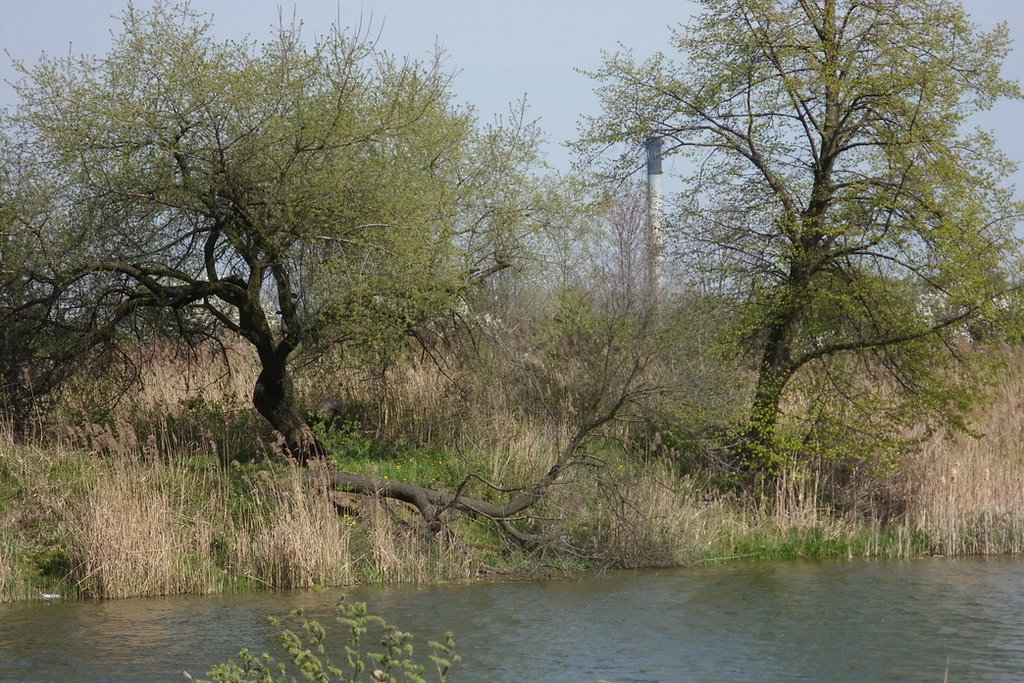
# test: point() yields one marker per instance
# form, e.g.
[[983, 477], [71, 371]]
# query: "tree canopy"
[[835, 198], [299, 193]]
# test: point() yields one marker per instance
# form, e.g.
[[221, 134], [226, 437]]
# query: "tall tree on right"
[[836, 197]]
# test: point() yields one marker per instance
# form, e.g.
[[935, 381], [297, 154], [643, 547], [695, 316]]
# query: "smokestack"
[[654, 215]]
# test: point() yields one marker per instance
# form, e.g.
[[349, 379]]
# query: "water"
[[917, 620]]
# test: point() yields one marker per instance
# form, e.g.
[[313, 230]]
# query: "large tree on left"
[[294, 192]]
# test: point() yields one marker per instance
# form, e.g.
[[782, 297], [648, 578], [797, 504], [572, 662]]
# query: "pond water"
[[917, 620]]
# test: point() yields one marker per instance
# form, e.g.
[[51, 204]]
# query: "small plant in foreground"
[[309, 658]]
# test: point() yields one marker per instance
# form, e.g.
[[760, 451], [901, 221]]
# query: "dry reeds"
[[413, 401], [966, 496], [220, 376], [519, 453], [399, 551], [8, 568], [162, 399], [139, 505], [654, 518], [629, 514], [299, 544], [956, 496], [132, 535]]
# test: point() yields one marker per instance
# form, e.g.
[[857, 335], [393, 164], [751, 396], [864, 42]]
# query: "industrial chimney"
[[654, 216]]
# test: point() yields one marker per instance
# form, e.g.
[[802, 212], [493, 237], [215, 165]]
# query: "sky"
[[503, 50]]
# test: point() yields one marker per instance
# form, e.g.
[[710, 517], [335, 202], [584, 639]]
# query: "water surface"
[[916, 620]]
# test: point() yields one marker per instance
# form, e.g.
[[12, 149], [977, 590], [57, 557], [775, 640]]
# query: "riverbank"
[[180, 491], [114, 523]]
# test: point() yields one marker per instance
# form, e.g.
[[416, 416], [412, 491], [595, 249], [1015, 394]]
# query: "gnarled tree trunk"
[[274, 399]]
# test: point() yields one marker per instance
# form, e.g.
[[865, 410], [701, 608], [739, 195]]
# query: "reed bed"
[[10, 579], [398, 550], [123, 524], [176, 489], [966, 497], [645, 515], [131, 534], [299, 543]]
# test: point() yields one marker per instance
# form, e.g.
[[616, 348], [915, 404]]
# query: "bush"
[[308, 656]]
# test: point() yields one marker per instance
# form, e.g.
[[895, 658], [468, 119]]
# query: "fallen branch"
[[431, 503]]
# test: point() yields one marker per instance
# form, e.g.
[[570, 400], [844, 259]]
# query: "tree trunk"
[[274, 398], [760, 453]]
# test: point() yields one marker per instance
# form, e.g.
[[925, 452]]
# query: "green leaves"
[[309, 656], [300, 193], [837, 205]]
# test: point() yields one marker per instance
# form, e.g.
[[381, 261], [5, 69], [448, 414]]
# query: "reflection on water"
[[833, 621]]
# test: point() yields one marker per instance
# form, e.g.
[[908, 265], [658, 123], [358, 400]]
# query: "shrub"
[[309, 658]]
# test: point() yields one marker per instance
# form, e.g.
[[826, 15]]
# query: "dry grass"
[[398, 550], [625, 513], [518, 453], [131, 534], [9, 574], [647, 516], [966, 497], [414, 401], [106, 527], [131, 525], [29, 512], [301, 543], [962, 496], [177, 402], [224, 377], [139, 506], [956, 497]]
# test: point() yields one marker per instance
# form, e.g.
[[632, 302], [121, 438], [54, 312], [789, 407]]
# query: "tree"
[[836, 199], [295, 194], [25, 342]]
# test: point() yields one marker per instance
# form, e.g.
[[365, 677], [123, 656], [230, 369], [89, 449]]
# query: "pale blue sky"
[[503, 50]]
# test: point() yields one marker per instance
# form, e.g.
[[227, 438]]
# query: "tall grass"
[[300, 541], [397, 549], [11, 579], [966, 497], [181, 402], [176, 490], [119, 524], [104, 526], [643, 514], [138, 529]]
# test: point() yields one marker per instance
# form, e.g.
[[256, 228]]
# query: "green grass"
[[352, 451], [768, 542], [797, 543]]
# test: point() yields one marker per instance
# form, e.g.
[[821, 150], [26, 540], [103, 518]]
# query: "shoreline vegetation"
[[178, 491], [282, 313]]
